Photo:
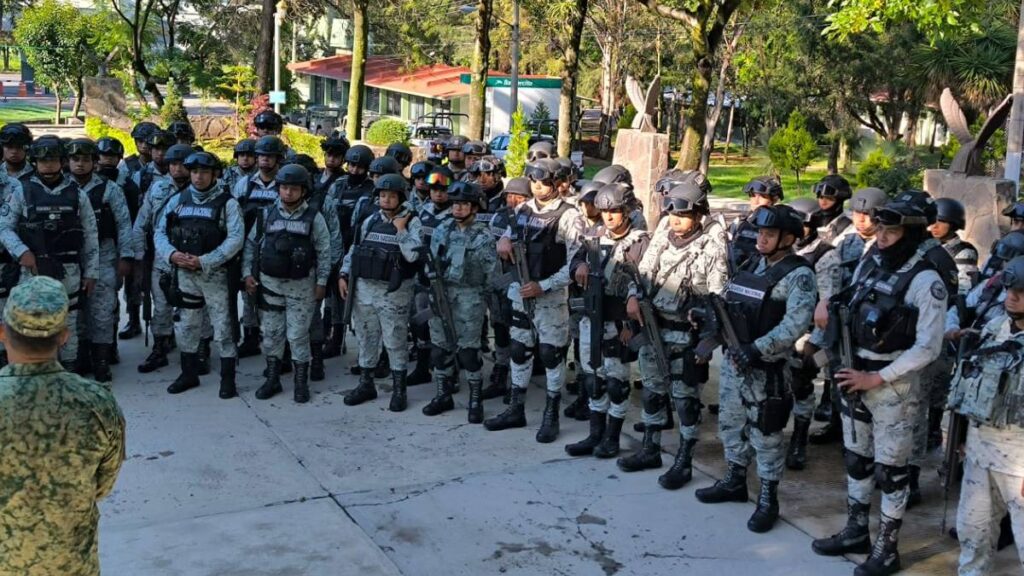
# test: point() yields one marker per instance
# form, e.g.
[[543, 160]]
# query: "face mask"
[[357, 179]]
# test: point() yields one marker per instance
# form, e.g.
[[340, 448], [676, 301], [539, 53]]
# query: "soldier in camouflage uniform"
[[245, 163], [156, 170], [418, 175], [761, 191], [136, 162], [116, 254], [462, 250], [770, 302], [380, 266], [15, 139], [548, 227], [829, 219], [287, 262], [50, 228], [897, 313], [456, 157], [64, 439], [989, 390], [200, 233]]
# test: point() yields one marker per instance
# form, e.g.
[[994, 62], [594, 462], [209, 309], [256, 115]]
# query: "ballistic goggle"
[[671, 205], [539, 174], [893, 215], [438, 180], [824, 190], [759, 188], [483, 165]]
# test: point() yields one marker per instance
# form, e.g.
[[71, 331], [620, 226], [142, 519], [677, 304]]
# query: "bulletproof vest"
[[429, 221], [834, 228], [743, 246], [287, 249], [323, 186], [987, 387], [988, 306], [820, 249], [882, 322], [106, 226], [146, 180], [256, 199], [626, 250], [499, 222], [347, 196], [957, 246], [539, 230], [133, 163], [453, 246], [196, 228], [52, 227], [748, 297], [377, 256], [944, 264], [5, 192]]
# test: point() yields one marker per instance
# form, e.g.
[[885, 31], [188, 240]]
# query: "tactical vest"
[[52, 227], [106, 226], [347, 197], [544, 254], [255, 200], [834, 228], [988, 305], [499, 222], [944, 264], [324, 186], [957, 246], [748, 297], [987, 387], [882, 322], [743, 247], [454, 246], [378, 256], [429, 221], [133, 163], [196, 228], [820, 249], [287, 249]]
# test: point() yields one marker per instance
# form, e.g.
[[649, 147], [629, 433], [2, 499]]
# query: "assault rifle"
[[591, 304], [146, 289], [522, 274], [718, 323], [346, 310], [439, 300], [846, 361], [956, 434], [650, 330]]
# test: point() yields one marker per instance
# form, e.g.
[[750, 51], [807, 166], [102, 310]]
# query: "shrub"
[[890, 168], [519, 143], [173, 109], [387, 131], [96, 129], [626, 120], [304, 143], [792, 148]]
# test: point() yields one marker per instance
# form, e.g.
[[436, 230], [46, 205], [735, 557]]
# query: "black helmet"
[[685, 197], [833, 186], [866, 200], [541, 150], [780, 217], [904, 212], [542, 170], [1013, 274], [617, 196], [197, 160], [806, 208], [393, 183], [464, 192], [247, 146], [764, 186], [16, 134], [337, 144], [1009, 246], [268, 120], [491, 164], [921, 200], [306, 161], [476, 148], [385, 165], [670, 178], [182, 130], [178, 153], [400, 152], [456, 143], [143, 130], [46, 147], [110, 146], [421, 169], [519, 186], [952, 212], [359, 155], [566, 169], [161, 139], [270, 146], [1015, 211], [612, 174], [82, 147], [293, 174], [440, 177], [587, 190]]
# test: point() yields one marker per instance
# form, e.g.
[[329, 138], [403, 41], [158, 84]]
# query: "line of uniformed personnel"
[[881, 298]]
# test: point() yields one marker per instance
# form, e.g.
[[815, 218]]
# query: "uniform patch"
[[938, 290], [5, 210], [804, 283]]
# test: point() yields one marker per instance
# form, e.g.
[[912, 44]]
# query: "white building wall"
[[499, 104]]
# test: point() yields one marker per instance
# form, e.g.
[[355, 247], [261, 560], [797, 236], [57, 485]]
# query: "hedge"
[[387, 131], [96, 129]]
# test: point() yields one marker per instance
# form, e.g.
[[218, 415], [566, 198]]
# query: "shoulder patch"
[[5, 210], [805, 283], [938, 290]]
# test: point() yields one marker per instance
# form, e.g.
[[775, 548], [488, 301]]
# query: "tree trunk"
[[354, 126], [265, 51], [60, 102], [149, 84], [696, 119], [481, 57], [728, 132], [573, 32], [79, 94], [609, 55]]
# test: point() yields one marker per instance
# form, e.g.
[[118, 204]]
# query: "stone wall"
[[984, 197], [104, 98], [645, 155]]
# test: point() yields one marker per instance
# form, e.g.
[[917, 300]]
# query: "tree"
[[567, 17], [478, 72], [792, 148], [519, 144], [265, 50], [935, 18], [357, 82], [238, 82], [137, 21]]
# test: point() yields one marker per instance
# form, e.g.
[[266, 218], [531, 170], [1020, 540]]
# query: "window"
[[393, 103], [317, 92], [371, 99], [443, 105], [415, 106]]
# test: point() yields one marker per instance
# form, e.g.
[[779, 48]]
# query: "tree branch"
[[683, 16], [722, 17]]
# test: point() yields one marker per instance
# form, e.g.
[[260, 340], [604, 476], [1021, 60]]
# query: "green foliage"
[[387, 131], [173, 109], [889, 167], [519, 143], [239, 84], [792, 148], [541, 113], [304, 143], [626, 120], [936, 18], [96, 129]]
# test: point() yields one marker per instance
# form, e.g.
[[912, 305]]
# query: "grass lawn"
[[20, 112], [727, 180]]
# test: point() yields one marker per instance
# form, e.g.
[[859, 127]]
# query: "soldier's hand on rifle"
[[856, 381], [505, 249], [821, 314], [582, 275], [320, 293], [124, 268], [28, 260], [625, 335], [745, 355], [704, 349], [956, 335], [250, 285], [88, 285], [531, 290], [633, 310], [343, 288]]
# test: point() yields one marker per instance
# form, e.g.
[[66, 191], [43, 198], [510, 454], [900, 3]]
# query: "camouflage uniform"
[[64, 443], [233, 175], [10, 272], [253, 194], [150, 215], [149, 176], [26, 171]]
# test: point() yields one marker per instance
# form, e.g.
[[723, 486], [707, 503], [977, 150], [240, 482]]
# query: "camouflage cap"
[[37, 308]]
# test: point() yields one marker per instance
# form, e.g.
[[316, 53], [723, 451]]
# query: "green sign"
[[506, 82]]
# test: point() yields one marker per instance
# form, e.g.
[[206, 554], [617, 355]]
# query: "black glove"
[[704, 349], [745, 356]]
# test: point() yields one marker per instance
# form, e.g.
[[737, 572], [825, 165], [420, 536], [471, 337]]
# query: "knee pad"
[[519, 353], [421, 332], [595, 386], [469, 359], [618, 390], [440, 358], [857, 466], [892, 478], [551, 356], [501, 335], [689, 411], [654, 403]]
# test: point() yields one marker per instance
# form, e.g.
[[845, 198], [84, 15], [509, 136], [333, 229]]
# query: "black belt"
[[866, 365]]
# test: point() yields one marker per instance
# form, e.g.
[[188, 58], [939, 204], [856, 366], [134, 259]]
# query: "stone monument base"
[[984, 197], [645, 155]]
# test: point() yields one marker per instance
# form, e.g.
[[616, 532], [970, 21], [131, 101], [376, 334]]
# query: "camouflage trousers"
[[883, 418], [162, 323], [285, 312], [549, 326], [986, 495], [935, 380], [379, 315], [740, 393], [212, 287], [73, 285], [803, 390], [612, 373], [658, 386], [468, 308], [101, 305]]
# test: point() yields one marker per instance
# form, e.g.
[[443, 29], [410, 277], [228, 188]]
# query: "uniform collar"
[[297, 213], [56, 189], [47, 367]]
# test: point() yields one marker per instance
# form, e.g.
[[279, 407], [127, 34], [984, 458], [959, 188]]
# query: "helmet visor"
[[823, 190]]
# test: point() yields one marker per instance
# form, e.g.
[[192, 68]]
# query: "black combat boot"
[[204, 356], [227, 378], [272, 384], [383, 368], [767, 511], [885, 556], [580, 407], [934, 428], [732, 488], [250, 345], [332, 347], [514, 416], [316, 364], [681, 472], [83, 362], [134, 327], [442, 400], [115, 354], [914, 486], [286, 359], [854, 538], [796, 457], [609, 446], [301, 381], [157, 356], [399, 400], [548, 431], [648, 457], [172, 343], [499, 383], [823, 412], [475, 410], [364, 392], [421, 373], [189, 377], [101, 362], [585, 447], [3, 358]]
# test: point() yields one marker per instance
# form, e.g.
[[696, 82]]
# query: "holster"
[[773, 411], [694, 373]]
